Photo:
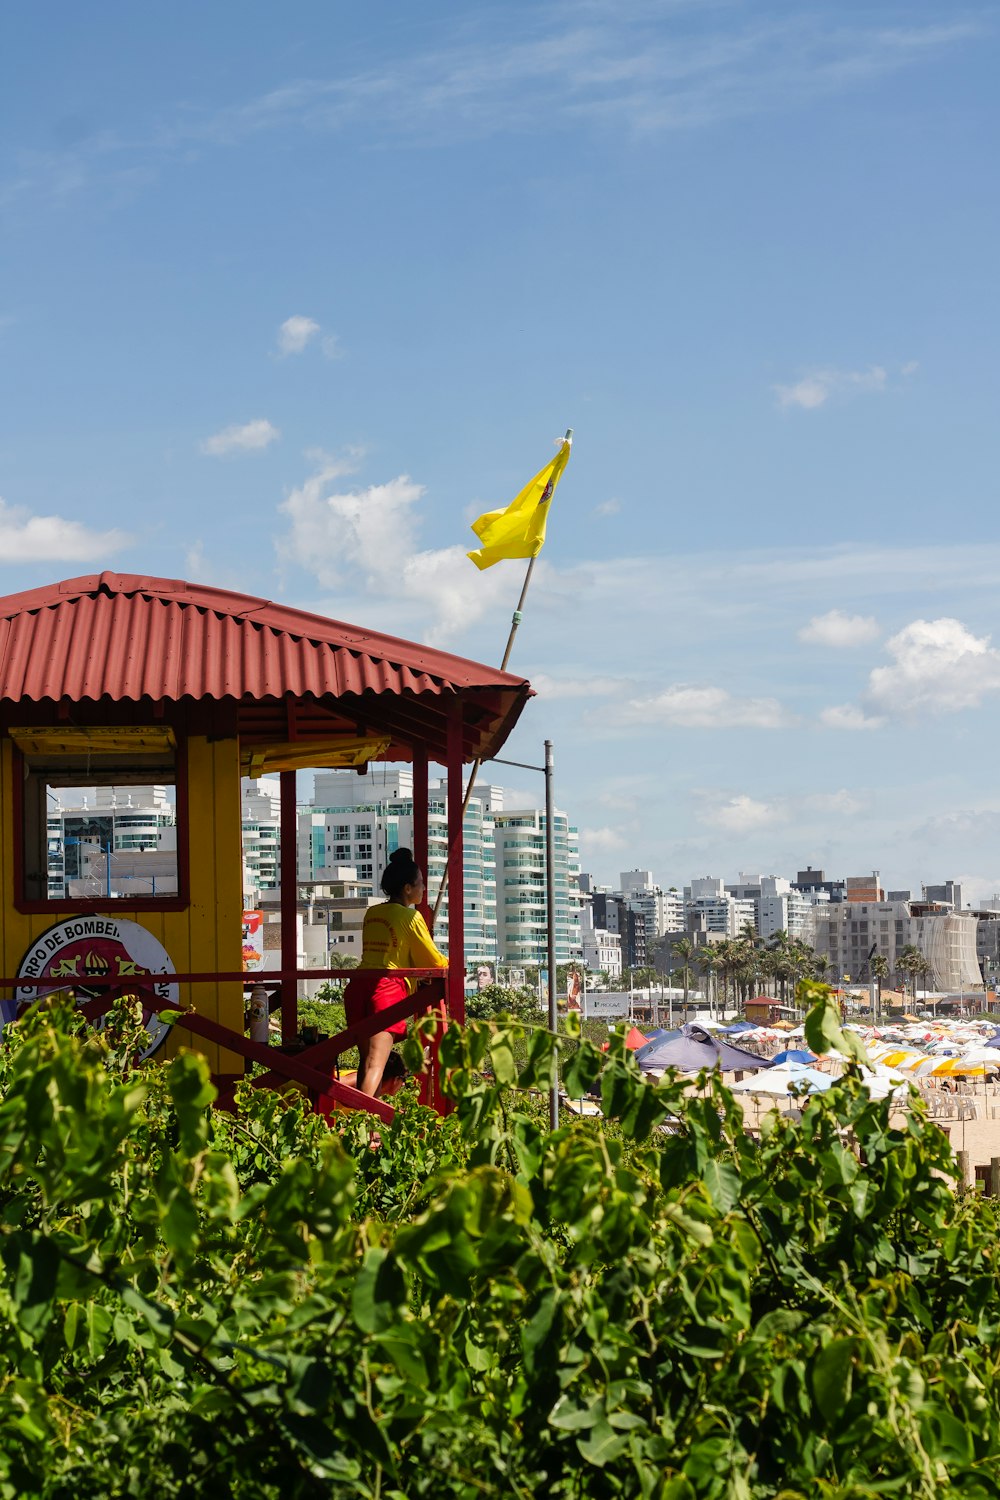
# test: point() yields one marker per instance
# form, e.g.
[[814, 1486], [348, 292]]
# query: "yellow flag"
[[519, 531]]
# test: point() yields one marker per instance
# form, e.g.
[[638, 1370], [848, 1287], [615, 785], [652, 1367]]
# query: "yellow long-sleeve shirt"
[[396, 937]]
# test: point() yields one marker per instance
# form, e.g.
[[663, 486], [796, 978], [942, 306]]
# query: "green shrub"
[[256, 1305]]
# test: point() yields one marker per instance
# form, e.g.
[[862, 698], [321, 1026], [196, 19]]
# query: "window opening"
[[99, 814]]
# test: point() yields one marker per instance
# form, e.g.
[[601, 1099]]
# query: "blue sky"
[[288, 298]]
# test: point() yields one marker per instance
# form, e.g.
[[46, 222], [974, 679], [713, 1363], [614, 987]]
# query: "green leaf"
[[832, 1375], [379, 1292], [71, 1324], [502, 1058], [723, 1183], [603, 1445], [822, 1024], [413, 1055], [34, 1287], [99, 1330], [192, 1091]]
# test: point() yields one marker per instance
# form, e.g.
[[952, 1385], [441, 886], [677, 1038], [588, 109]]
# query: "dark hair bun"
[[401, 870]]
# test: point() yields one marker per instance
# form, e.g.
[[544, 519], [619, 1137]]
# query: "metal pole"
[[550, 907], [288, 878]]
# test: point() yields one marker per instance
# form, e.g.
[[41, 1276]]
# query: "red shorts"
[[366, 996]]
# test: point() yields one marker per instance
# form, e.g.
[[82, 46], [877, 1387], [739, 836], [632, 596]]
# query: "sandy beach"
[[970, 1118]]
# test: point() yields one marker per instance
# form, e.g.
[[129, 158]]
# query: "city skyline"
[[285, 306]]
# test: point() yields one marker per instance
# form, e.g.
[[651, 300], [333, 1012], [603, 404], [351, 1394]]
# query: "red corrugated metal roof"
[[122, 637]]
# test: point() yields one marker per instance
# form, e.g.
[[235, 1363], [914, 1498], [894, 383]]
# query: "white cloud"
[[938, 666], [372, 531], [251, 437], [295, 333], [614, 64], [195, 561], [816, 389], [707, 708], [742, 814], [616, 67], [843, 803], [608, 508], [837, 629], [602, 841], [574, 687], [849, 716], [25, 538]]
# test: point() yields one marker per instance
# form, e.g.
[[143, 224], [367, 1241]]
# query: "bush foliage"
[[199, 1304]]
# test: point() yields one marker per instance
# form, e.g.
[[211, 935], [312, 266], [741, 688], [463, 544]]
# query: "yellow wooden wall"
[[205, 937]]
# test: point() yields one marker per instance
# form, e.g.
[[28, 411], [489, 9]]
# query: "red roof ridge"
[[282, 618]]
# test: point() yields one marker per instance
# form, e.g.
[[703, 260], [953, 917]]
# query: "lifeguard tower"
[[117, 680]]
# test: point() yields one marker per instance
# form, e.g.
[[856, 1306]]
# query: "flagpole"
[[477, 764]]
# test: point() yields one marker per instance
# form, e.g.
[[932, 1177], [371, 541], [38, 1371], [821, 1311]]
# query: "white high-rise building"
[[261, 821], [362, 820], [713, 908], [117, 841], [521, 898]]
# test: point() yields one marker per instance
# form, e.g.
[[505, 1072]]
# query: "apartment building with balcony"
[[522, 925]]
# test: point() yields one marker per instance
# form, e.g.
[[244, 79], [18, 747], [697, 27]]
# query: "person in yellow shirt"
[[394, 936]]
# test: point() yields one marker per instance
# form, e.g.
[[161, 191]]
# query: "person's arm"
[[422, 953]]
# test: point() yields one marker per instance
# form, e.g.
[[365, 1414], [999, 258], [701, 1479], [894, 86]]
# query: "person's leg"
[[374, 1055]]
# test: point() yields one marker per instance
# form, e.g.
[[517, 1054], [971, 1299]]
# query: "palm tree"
[[925, 969], [908, 963], [706, 959], [684, 950], [880, 971], [782, 954]]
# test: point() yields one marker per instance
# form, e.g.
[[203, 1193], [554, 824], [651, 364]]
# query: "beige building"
[[846, 933]]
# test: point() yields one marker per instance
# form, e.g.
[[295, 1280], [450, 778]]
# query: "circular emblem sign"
[[88, 948]]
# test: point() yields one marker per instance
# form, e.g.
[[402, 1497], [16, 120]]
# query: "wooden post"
[[455, 872], [966, 1177], [421, 837], [289, 886], [994, 1179]]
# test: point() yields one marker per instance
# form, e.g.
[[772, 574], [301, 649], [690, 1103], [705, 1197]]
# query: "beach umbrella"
[[881, 1082], [978, 1053], [633, 1041], [900, 1057], [795, 1055], [783, 1080], [921, 1068], [956, 1067]]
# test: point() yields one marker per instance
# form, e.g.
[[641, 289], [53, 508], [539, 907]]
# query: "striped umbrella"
[[920, 1067], [957, 1067], [900, 1058]]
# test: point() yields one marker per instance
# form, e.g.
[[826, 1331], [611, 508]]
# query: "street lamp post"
[[550, 908]]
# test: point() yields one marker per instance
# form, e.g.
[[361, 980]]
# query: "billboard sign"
[[253, 941], [605, 1006]]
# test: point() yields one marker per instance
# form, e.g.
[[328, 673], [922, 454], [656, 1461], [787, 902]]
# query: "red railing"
[[310, 1067]]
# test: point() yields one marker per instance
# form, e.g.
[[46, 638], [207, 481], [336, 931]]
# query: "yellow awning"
[[300, 755], [95, 739]]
